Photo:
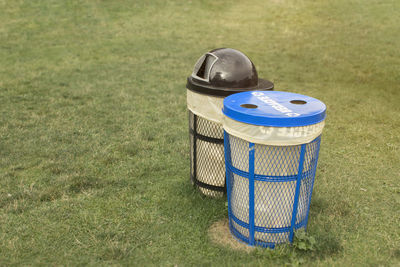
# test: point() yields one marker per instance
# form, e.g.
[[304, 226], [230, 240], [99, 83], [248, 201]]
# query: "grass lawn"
[[94, 154]]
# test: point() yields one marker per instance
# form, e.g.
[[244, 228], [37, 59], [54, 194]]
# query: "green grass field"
[[94, 153]]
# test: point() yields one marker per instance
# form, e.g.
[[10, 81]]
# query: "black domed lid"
[[225, 71]]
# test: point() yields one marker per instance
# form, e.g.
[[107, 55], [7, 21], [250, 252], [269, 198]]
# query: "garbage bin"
[[272, 141], [217, 74]]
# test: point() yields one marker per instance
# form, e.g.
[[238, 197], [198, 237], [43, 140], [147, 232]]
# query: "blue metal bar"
[[238, 172], [265, 244], [239, 222], [314, 168], [269, 178], [297, 192], [244, 239], [227, 172], [238, 235], [251, 194], [265, 229]]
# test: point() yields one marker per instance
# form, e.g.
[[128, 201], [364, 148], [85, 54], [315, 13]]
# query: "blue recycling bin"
[[271, 142]]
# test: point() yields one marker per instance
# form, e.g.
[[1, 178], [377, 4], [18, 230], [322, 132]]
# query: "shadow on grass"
[[18, 202], [327, 238]]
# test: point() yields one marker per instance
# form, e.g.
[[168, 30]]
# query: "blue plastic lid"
[[274, 108]]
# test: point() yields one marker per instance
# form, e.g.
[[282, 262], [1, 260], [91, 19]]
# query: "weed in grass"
[[303, 241]]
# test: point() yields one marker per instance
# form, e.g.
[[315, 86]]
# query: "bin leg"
[[297, 192], [251, 194]]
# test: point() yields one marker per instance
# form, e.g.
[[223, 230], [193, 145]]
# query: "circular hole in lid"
[[248, 106], [298, 102]]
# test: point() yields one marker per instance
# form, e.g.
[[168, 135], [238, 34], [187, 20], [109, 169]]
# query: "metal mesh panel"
[[237, 146], [307, 183], [207, 169], [269, 189]]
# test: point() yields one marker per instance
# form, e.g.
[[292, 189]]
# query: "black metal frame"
[[193, 167]]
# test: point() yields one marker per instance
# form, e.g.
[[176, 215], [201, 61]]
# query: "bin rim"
[[274, 109], [210, 90]]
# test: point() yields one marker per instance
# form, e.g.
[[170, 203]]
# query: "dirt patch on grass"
[[219, 234]]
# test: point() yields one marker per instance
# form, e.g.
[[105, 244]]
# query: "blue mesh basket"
[[269, 187]]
